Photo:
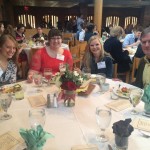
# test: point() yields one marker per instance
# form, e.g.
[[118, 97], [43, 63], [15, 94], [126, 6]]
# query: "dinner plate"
[[118, 92]]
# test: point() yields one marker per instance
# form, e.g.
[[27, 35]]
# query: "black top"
[[139, 53], [37, 36], [114, 47]]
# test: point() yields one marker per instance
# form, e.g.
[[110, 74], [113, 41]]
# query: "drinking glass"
[[135, 97], [100, 80], [62, 67], [103, 118], [48, 74], [87, 71], [5, 101], [37, 117], [38, 80]]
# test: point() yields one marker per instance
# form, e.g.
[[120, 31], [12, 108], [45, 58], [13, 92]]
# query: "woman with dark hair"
[[8, 68], [114, 47], [20, 37], [50, 56]]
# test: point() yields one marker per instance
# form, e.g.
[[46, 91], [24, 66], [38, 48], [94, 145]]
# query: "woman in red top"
[[50, 56]]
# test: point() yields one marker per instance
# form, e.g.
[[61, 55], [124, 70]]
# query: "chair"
[[134, 68], [82, 46], [70, 37], [75, 51], [116, 74]]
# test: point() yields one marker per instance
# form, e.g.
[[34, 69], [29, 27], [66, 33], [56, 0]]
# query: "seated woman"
[[143, 72], [50, 56], [114, 47], [96, 59], [8, 68]]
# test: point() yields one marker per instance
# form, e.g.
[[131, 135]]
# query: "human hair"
[[19, 26], [54, 32], [138, 28], [116, 31], [4, 38], [88, 54], [145, 32], [10, 30]]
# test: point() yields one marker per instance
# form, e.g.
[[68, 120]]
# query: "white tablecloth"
[[75, 125]]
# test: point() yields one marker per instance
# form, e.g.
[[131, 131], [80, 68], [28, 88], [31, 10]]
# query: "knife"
[[109, 147]]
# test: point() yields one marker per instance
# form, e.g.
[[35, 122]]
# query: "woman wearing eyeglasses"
[[50, 56]]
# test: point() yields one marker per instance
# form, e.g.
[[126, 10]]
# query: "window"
[[27, 20], [51, 18], [130, 20], [114, 20]]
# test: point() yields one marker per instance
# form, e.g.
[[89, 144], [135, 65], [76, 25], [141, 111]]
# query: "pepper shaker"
[[55, 104]]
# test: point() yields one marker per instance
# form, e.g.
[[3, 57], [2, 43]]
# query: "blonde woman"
[[114, 47], [95, 59]]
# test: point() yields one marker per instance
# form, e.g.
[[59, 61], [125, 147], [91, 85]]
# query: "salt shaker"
[[48, 101], [55, 104]]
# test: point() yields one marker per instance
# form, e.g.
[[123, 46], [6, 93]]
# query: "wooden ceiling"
[[72, 3]]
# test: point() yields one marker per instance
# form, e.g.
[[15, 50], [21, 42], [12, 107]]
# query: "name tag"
[[1, 72], [101, 65], [60, 57]]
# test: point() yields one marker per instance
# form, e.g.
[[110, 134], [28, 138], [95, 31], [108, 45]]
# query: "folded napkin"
[[10, 140], [123, 128], [85, 147], [37, 100], [118, 105], [35, 139], [141, 123]]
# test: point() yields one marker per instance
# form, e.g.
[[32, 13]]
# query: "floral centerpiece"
[[70, 81]]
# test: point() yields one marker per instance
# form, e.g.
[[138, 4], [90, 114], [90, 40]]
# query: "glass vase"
[[147, 108], [121, 142], [34, 148], [69, 98]]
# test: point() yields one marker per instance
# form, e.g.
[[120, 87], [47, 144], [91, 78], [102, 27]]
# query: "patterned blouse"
[[9, 76]]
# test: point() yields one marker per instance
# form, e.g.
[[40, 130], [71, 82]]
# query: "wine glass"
[[48, 74], [103, 118], [100, 79], [5, 101], [62, 67], [38, 80], [135, 97], [37, 117]]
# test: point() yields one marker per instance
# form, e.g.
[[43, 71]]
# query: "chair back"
[[116, 74], [134, 68], [75, 52], [82, 47]]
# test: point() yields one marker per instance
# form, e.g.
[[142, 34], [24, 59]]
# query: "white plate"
[[118, 92]]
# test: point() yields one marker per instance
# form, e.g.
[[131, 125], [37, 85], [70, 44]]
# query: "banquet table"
[[73, 125]]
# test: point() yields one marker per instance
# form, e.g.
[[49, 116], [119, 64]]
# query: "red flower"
[[68, 85]]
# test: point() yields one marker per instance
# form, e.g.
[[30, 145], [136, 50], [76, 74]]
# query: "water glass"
[[37, 117], [135, 97], [5, 101], [38, 80], [62, 67], [100, 80], [103, 118], [48, 74]]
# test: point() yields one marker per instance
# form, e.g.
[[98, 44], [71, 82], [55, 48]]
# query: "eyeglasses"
[[56, 38]]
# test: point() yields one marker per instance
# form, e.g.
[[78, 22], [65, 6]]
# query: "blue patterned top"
[[10, 75]]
